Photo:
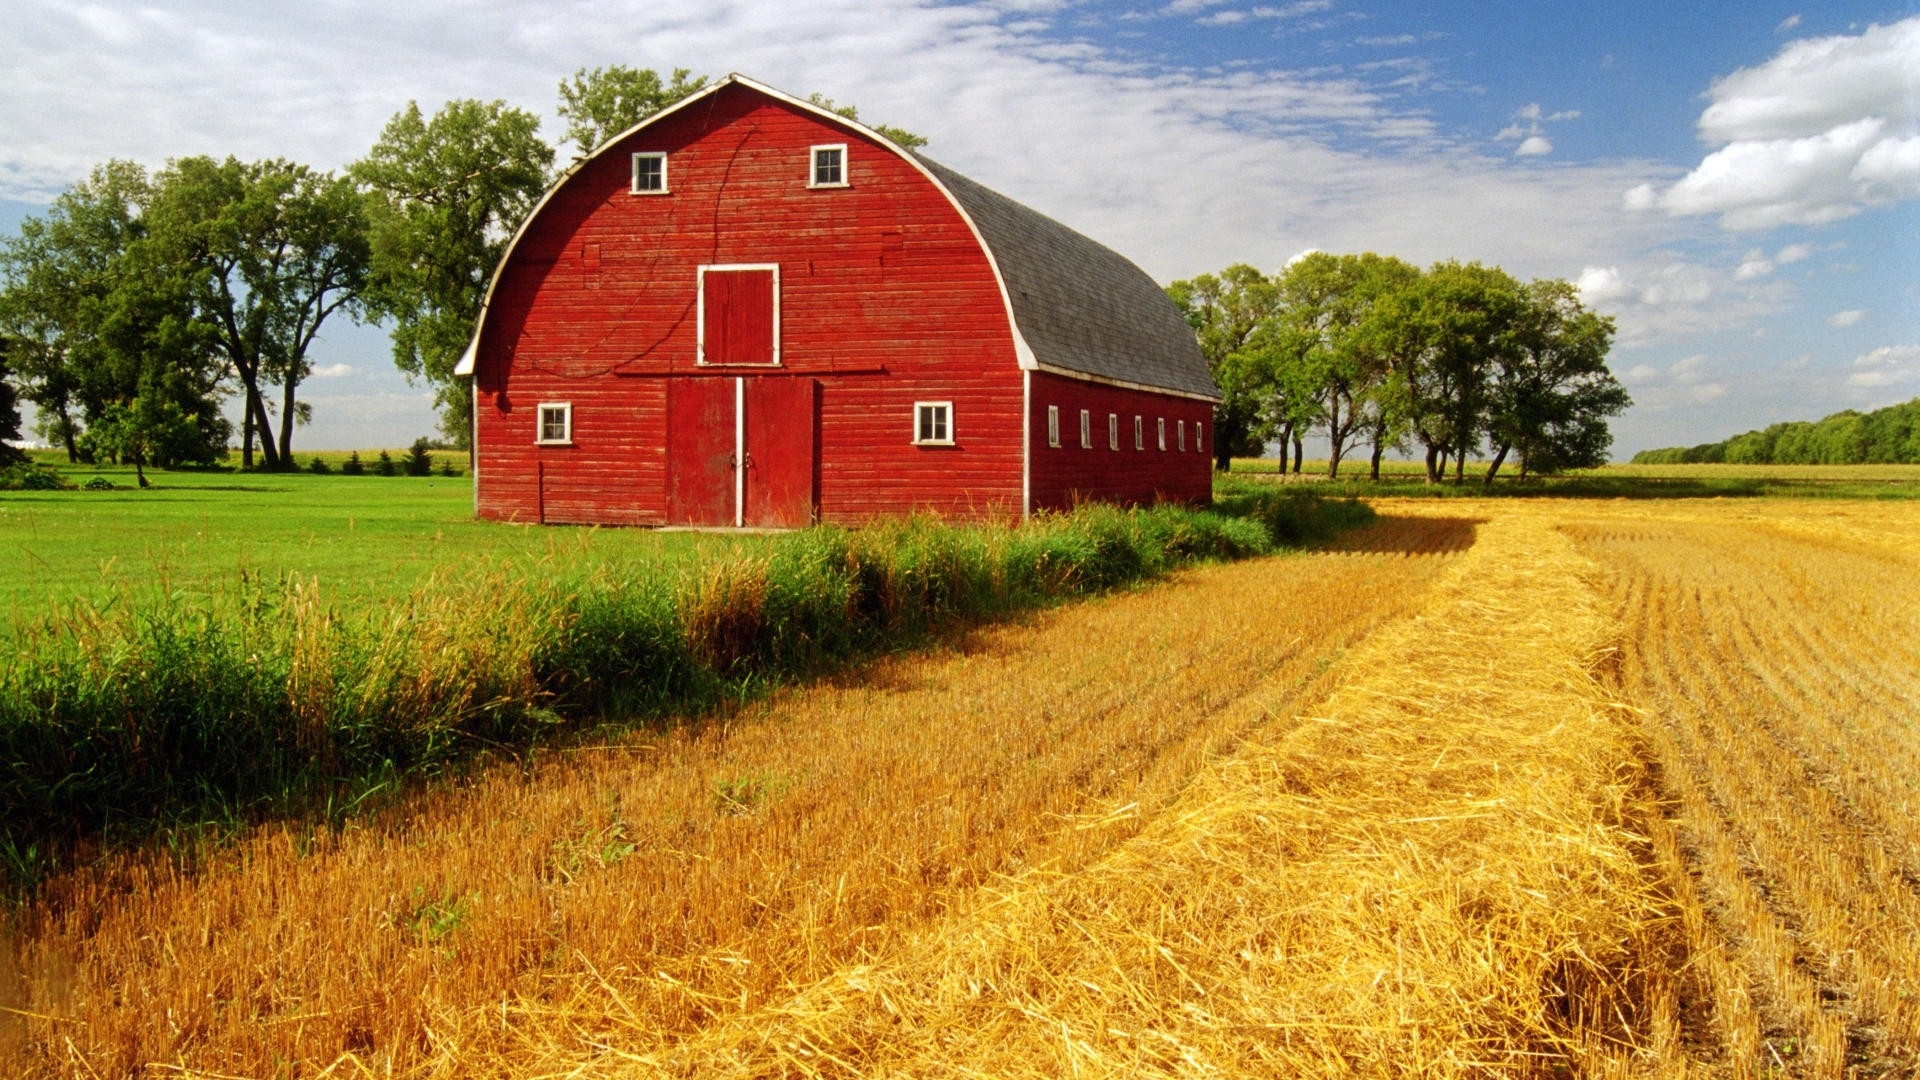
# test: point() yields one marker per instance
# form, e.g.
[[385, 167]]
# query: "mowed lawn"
[[196, 533]]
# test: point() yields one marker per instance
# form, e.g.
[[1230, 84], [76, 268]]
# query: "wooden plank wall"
[[1067, 474], [886, 299]]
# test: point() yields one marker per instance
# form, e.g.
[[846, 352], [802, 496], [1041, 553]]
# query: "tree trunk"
[[1460, 466], [66, 436], [246, 437], [264, 425], [1299, 451], [1498, 459], [1433, 470], [1373, 472], [287, 414]]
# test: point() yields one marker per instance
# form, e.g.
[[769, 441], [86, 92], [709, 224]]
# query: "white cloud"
[[1529, 129], [1787, 24], [1325, 159], [333, 371], [1755, 264], [1845, 318], [1827, 128], [1889, 365]]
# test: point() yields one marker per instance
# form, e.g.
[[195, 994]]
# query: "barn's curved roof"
[[1077, 307], [1082, 307]]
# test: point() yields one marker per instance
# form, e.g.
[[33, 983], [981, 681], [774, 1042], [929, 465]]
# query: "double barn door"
[[740, 451]]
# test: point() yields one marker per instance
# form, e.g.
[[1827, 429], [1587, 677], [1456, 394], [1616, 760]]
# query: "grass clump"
[[269, 699]]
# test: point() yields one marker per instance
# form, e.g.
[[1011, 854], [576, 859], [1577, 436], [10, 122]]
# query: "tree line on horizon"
[[144, 298], [1889, 436], [1371, 351]]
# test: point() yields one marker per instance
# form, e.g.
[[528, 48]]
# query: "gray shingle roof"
[[1081, 306]]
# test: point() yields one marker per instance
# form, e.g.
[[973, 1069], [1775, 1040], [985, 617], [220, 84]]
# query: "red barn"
[[748, 310]]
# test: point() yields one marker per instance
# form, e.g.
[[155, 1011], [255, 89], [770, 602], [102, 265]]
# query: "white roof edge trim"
[[1068, 373], [1023, 353]]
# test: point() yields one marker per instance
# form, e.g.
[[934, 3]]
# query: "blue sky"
[[1738, 184]]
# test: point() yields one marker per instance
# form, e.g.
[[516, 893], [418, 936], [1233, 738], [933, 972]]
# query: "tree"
[[602, 103], [1225, 312], [446, 195], [270, 250], [150, 429], [1551, 392], [1339, 367], [419, 458], [1445, 332], [9, 410], [902, 136], [97, 318]]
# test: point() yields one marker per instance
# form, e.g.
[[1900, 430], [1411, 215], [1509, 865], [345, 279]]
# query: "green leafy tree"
[[99, 316], [602, 103], [9, 409], [901, 136], [1226, 311], [446, 195], [270, 250], [1329, 307], [1445, 333], [1551, 393], [151, 429]]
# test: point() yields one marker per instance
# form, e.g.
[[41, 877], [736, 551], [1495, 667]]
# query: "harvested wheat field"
[[1503, 789], [674, 879]]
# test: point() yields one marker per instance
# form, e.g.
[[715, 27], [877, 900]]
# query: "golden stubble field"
[[1504, 788]]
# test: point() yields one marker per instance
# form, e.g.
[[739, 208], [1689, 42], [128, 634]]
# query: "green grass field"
[[199, 532]]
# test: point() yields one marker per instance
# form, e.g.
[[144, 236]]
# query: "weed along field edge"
[[1535, 787]]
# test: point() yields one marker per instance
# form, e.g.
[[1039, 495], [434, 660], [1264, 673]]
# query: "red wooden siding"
[[885, 299], [1067, 474], [737, 310]]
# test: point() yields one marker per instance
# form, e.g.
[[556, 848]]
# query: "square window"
[[1086, 430], [829, 166], [1180, 432], [1163, 432], [650, 173], [1113, 431], [1139, 433], [556, 424], [933, 423], [1053, 425]]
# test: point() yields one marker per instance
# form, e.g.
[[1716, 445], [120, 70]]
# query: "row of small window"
[[1113, 431], [826, 168], [932, 426]]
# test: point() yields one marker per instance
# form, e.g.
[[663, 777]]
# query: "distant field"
[[200, 531], [1408, 478]]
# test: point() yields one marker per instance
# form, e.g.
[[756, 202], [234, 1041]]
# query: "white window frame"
[[1139, 432], [1113, 431], [1163, 432], [1180, 432], [945, 410], [1198, 446], [1086, 429], [634, 187], [1053, 426], [700, 314], [813, 165], [540, 423]]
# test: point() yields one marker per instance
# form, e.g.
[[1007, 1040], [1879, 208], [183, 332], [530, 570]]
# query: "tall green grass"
[[120, 719]]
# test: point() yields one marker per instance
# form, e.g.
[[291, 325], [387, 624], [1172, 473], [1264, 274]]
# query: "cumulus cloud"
[[1827, 128], [1755, 263], [1698, 379], [1845, 318], [332, 371], [1529, 129], [1888, 365]]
